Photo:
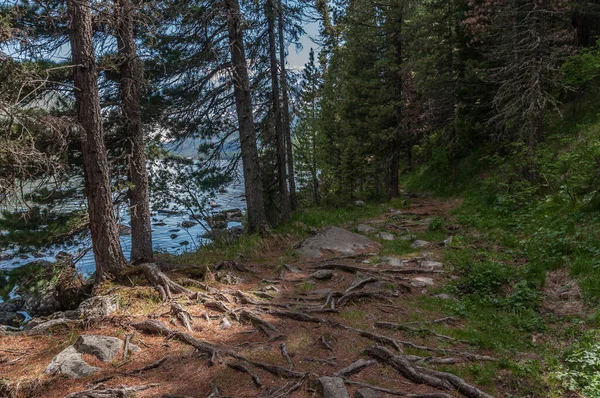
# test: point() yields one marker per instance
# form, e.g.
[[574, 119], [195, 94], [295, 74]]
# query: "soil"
[[189, 373]]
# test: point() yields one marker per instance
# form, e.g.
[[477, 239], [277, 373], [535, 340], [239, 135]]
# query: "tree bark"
[[284, 198], [257, 220], [394, 189], [285, 109], [130, 92], [105, 234]]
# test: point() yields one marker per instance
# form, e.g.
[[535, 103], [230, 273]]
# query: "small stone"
[[333, 387], [70, 362], [160, 224], [420, 243], [386, 236], [365, 229], [366, 393], [444, 296], [173, 236], [359, 203], [422, 281], [105, 348], [448, 241], [431, 264], [393, 261], [184, 243], [322, 274], [292, 268], [225, 324]]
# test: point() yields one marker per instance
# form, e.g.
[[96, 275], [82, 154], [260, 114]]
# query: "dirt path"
[[286, 327]]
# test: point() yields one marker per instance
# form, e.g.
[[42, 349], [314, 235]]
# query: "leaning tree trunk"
[[257, 219], [105, 234], [130, 92], [284, 198], [285, 110]]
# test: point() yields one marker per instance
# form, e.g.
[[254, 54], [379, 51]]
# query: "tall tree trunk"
[[105, 233], [285, 109], [257, 219], [130, 92], [284, 198], [394, 189]]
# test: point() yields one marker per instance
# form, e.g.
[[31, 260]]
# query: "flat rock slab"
[[422, 281], [322, 274], [70, 362], [338, 240], [105, 348], [333, 387]]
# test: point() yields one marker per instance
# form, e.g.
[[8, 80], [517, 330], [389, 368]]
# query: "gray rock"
[[444, 296], [365, 229], [419, 244], [70, 362], [228, 278], [187, 224], [334, 239], [43, 303], [333, 387], [322, 274], [292, 268], [431, 264], [393, 261], [448, 241], [366, 393], [359, 203], [386, 236], [105, 348], [11, 318], [422, 281], [98, 306], [124, 230]]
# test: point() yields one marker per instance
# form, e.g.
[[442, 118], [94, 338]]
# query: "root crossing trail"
[[335, 326]]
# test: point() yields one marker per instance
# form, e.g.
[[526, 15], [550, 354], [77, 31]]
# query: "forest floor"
[[285, 317]]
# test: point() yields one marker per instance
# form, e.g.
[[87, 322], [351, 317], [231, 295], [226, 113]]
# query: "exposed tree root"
[[396, 392], [182, 315], [326, 344], [157, 327], [162, 282], [243, 369], [267, 328], [346, 298], [111, 392], [355, 367], [420, 375], [397, 326], [285, 354]]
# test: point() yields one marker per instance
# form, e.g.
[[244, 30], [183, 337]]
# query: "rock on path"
[[334, 239], [333, 387], [70, 362]]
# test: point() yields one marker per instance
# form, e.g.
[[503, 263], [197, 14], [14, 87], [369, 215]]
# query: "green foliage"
[[582, 68], [581, 371]]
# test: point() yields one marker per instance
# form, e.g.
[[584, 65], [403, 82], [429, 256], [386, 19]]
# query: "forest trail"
[[358, 317]]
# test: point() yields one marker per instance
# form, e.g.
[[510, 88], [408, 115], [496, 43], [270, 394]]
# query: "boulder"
[[70, 362], [333, 387], [105, 348], [337, 240], [187, 224], [98, 306]]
